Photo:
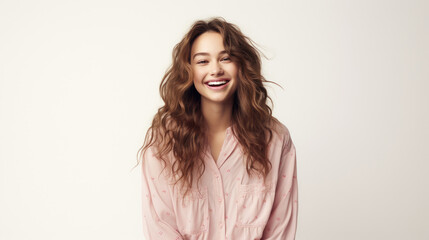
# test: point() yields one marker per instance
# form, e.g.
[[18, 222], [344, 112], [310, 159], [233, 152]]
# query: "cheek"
[[233, 70], [234, 74], [198, 76]]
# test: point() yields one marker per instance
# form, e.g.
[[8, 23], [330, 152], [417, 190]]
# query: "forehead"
[[211, 42]]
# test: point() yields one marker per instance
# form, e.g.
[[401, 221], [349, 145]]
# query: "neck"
[[216, 115]]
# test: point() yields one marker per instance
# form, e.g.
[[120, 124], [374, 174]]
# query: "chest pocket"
[[192, 213], [254, 204]]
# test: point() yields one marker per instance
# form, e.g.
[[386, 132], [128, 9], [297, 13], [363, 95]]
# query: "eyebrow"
[[207, 54]]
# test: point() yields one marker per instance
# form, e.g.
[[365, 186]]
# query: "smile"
[[217, 84]]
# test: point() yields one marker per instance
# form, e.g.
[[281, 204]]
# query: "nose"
[[216, 69]]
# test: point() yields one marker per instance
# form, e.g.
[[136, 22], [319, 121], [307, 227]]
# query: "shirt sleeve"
[[283, 218], [159, 221]]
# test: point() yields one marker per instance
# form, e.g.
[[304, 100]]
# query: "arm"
[[283, 219], [159, 220]]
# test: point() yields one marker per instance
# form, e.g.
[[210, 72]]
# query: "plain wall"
[[79, 87]]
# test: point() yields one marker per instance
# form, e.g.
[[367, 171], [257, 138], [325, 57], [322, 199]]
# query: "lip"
[[217, 79], [217, 87]]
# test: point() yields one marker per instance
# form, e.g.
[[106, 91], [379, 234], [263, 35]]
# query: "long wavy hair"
[[177, 132]]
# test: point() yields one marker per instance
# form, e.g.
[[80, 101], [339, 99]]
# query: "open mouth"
[[217, 83]]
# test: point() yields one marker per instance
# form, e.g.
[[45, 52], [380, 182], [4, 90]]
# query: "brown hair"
[[178, 126]]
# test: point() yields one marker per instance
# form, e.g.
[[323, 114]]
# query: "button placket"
[[220, 202], [218, 190]]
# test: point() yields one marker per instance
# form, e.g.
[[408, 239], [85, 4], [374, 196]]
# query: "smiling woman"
[[215, 75], [216, 164]]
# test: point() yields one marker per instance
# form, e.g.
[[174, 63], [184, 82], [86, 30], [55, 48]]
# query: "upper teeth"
[[216, 83]]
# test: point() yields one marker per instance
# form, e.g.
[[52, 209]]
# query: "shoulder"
[[280, 130], [152, 164], [281, 134], [149, 159]]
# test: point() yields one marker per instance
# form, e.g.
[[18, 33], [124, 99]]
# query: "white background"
[[79, 86]]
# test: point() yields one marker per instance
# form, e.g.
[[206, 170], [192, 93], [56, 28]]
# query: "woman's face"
[[215, 74]]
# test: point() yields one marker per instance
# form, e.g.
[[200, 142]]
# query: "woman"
[[216, 163]]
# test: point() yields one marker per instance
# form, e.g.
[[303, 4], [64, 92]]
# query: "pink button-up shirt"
[[229, 204]]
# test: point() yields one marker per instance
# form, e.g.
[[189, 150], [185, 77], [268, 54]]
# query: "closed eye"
[[202, 61]]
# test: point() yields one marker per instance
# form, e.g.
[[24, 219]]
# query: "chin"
[[218, 99]]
